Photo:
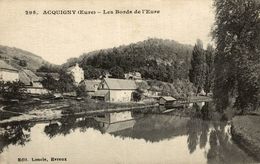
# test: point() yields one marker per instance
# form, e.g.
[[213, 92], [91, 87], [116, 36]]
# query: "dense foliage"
[[49, 68], [237, 61], [164, 60], [202, 71], [12, 90], [177, 89], [64, 84], [198, 66]]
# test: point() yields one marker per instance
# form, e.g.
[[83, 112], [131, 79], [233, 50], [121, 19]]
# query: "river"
[[123, 137]]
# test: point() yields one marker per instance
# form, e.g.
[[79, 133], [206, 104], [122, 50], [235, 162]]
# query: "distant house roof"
[[100, 93], [4, 65], [27, 77], [120, 84], [168, 98], [90, 85]]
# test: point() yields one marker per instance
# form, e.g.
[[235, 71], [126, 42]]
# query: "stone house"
[[116, 90]]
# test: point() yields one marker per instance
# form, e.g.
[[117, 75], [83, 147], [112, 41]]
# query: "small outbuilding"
[[167, 101]]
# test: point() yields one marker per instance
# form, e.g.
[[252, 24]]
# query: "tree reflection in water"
[[15, 134], [198, 127], [202, 128], [69, 124]]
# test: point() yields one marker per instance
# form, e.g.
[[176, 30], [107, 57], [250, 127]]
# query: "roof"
[[4, 65], [27, 76], [120, 84], [168, 98], [24, 78], [31, 75], [90, 84], [100, 93]]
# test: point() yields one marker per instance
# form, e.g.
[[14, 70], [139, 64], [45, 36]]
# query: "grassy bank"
[[245, 131]]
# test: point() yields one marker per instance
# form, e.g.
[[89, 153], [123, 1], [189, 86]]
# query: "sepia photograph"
[[130, 81]]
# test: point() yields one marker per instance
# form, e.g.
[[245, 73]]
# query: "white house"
[[133, 76], [77, 73], [7, 72], [116, 90]]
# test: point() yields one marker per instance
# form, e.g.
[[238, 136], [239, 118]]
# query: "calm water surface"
[[122, 138]]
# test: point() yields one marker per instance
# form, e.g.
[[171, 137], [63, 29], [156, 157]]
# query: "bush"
[[12, 90]]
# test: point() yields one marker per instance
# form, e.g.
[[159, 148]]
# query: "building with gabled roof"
[[7, 72], [167, 101], [119, 90], [31, 82], [90, 86]]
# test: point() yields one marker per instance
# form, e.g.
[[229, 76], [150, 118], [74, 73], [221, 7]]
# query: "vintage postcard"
[[129, 81]]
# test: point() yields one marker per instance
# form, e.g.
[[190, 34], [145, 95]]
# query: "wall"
[[120, 95], [36, 91], [8, 76]]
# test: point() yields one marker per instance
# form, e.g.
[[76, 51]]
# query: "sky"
[[57, 38]]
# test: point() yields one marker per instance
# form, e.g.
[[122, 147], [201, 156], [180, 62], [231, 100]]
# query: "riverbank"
[[245, 132], [56, 109]]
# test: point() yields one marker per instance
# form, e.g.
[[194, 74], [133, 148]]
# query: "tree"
[[91, 72], [49, 68], [209, 74], [50, 83], [117, 72], [237, 61], [137, 95], [65, 83], [198, 66]]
